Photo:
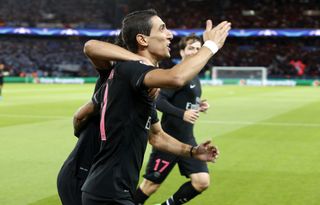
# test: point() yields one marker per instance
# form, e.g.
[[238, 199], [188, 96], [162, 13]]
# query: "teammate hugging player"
[[127, 111]]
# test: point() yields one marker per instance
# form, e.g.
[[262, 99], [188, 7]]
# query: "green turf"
[[269, 138]]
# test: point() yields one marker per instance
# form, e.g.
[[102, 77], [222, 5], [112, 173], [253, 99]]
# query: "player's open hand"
[[206, 152], [191, 116], [217, 34], [204, 106]]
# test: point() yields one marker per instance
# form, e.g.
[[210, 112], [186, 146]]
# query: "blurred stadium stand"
[[62, 56], [185, 14]]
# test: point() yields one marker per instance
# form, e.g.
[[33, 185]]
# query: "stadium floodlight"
[[243, 75]]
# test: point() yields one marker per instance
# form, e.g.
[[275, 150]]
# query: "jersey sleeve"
[[163, 103], [134, 71]]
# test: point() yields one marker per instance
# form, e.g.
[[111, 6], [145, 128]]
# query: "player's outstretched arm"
[[185, 71], [164, 142], [82, 115], [102, 53]]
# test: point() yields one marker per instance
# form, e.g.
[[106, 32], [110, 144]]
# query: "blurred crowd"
[[242, 14], [44, 57], [56, 13], [284, 58], [177, 14], [297, 57]]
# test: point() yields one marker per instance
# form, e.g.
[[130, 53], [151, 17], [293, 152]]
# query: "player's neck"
[[151, 57]]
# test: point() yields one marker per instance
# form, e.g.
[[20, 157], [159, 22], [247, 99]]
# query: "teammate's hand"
[[205, 152], [191, 116], [217, 34], [204, 106], [153, 92]]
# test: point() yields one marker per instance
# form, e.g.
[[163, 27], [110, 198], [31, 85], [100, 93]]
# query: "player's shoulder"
[[130, 64]]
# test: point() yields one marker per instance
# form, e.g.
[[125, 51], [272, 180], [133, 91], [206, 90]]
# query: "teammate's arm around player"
[[102, 54]]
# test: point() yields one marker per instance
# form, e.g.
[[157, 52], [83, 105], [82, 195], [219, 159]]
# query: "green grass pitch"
[[269, 139]]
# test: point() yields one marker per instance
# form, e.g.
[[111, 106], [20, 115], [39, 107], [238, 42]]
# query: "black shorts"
[[88, 199], [69, 186], [1, 80], [160, 164]]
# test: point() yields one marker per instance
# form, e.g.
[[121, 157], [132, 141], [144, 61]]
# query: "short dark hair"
[[138, 22], [119, 40], [183, 42]]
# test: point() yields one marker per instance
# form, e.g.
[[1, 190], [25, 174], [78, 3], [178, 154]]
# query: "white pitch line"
[[40, 90], [286, 124], [261, 123], [36, 116]]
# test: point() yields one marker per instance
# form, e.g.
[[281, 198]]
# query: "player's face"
[[159, 39], [191, 48]]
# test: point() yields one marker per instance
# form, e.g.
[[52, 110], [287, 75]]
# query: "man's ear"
[[142, 40], [182, 54]]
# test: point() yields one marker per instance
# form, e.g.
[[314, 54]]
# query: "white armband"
[[212, 46]]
